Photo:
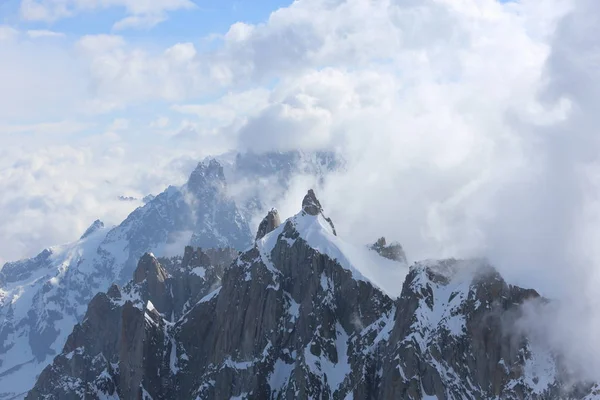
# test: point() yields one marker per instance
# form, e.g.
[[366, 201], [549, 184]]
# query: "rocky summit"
[[304, 314], [42, 298]]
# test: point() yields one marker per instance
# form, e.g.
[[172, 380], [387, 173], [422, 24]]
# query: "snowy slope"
[[364, 263], [201, 212], [37, 311], [43, 297], [300, 315]]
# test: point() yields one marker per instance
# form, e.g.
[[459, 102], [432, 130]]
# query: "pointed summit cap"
[[311, 204], [268, 224], [97, 224], [149, 268]]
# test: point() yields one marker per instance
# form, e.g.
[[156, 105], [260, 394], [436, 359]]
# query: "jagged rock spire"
[[152, 277], [209, 171], [114, 292], [194, 258], [310, 204], [149, 268], [268, 224]]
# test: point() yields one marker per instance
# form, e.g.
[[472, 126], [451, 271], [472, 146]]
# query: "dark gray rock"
[[122, 347], [286, 321], [311, 204], [201, 213]]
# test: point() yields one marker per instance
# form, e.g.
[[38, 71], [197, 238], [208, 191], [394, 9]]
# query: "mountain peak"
[[97, 224], [194, 257], [149, 267], [311, 204], [206, 171], [269, 223]]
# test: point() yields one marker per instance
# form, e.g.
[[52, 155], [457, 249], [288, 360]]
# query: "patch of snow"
[[199, 271], [363, 263], [280, 376], [325, 282], [323, 366], [173, 355], [539, 371], [294, 309], [211, 295], [444, 313], [150, 306], [289, 241], [239, 365], [146, 395]]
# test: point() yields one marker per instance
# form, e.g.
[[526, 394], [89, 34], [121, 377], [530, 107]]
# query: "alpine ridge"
[[42, 298], [304, 314]]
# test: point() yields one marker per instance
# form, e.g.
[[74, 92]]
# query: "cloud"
[[7, 33], [476, 135], [227, 108], [557, 235], [43, 33], [139, 21], [53, 191], [121, 76], [43, 80], [469, 128], [159, 123], [140, 14], [119, 124]]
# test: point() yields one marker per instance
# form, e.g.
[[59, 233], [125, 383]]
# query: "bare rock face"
[[268, 224], [152, 277], [469, 335], [393, 251], [45, 296], [149, 269], [285, 321], [113, 352], [311, 204]]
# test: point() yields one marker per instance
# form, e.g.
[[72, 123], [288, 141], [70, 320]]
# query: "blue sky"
[[209, 16]]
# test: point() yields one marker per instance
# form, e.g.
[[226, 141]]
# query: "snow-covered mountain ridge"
[[43, 297], [301, 314]]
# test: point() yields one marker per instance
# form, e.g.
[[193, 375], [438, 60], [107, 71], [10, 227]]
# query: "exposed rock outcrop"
[[292, 321], [312, 206], [113, 352], [268, 224], [45, 296]]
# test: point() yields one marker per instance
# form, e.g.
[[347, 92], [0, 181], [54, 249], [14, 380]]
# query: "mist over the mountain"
[[462, 129]]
